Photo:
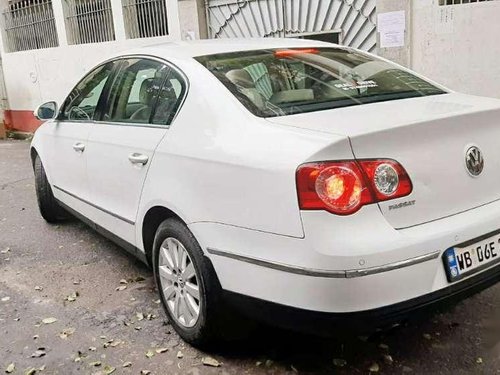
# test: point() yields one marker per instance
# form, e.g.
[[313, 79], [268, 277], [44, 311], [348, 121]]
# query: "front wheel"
[[49, 208], [188, 287]]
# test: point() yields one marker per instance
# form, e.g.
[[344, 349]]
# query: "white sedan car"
[[303, 182]]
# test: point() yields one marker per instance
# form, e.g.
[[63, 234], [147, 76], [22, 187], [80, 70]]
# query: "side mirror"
[[46, 111]]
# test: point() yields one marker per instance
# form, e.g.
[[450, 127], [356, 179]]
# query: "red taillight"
[[344, 187]]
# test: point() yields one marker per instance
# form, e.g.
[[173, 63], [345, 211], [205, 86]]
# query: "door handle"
[[79, 147], [136, 158]]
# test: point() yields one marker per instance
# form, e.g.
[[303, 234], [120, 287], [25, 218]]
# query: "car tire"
[[49, 208], [204, 332]]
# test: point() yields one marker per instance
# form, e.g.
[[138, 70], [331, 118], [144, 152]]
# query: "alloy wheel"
[[179, 282]]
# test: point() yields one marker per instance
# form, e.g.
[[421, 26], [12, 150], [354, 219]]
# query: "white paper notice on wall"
[[445, 19], [392, 26]]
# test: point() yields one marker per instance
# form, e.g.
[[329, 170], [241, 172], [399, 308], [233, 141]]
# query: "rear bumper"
[[326, 324], [344, 265]]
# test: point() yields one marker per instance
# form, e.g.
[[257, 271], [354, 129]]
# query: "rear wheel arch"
[[152, 220]]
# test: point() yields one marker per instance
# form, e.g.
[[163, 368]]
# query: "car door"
[[123, 142], [68, 137]]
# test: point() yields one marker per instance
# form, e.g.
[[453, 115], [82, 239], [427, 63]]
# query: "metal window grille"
[[145, 18], [89, 21], [454, 2], [29, 25], [354, 20]]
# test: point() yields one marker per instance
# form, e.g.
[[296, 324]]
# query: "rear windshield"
[[279, 82]]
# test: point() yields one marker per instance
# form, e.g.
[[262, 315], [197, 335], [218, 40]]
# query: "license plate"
[[468, 259]]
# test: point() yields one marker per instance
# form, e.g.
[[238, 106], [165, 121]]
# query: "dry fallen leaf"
[[10, 368], [209, 361], [72, 297], [66, 333], [109, 369], [107, 343], [49, 320], [388, 359], [339, 362], [374, 367], [40, 352]]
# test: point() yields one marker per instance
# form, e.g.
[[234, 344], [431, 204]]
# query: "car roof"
[[190, 49]]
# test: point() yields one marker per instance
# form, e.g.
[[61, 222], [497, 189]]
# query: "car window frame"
[[110, 78], [101, 104], [101, 109], [104, 108], [178, 104]]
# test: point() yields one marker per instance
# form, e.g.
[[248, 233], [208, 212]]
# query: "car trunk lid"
[[430, 137]]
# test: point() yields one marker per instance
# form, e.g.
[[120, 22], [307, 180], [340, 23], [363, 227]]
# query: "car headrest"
[[146, 91], [240, 77]]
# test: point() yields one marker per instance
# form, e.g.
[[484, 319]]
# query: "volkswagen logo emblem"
[[474, 161]]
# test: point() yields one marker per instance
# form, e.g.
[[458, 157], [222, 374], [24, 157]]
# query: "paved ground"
[[70, 273]]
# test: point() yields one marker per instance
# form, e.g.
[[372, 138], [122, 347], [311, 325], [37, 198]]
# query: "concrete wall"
[[456, 45], [33, 77]]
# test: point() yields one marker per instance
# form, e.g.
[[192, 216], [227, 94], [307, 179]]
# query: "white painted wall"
[[33, 77], [456, 45]]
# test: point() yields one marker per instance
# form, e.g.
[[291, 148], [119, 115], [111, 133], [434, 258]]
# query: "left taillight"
[[344, 187]]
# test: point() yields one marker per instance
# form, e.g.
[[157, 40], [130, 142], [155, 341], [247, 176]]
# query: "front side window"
[[279, 82], [82, 101], [133, 94]]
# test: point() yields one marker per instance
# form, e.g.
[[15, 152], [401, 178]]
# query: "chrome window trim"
[[332, 274]]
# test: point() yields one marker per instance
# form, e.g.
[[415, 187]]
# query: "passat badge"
[[474, 161]]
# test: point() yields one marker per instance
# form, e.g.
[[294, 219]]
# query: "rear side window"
[[170, 98], [278, 82], [133, 94], [81, 103]]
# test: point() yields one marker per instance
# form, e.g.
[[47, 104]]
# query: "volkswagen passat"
[[300, 181]]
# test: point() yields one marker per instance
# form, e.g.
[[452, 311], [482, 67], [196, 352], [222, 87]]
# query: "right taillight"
[[344, 187]]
